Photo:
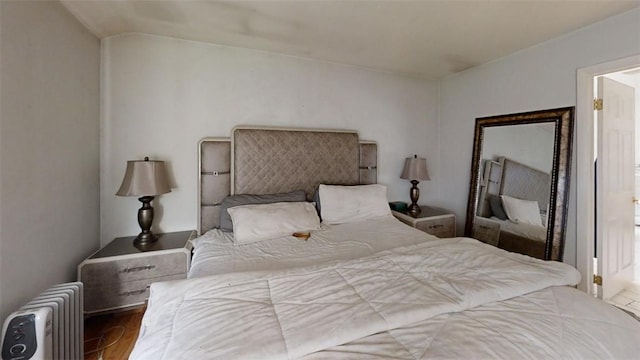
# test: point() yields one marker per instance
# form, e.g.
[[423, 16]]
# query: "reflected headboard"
[[267, 160], [508, 177], [524, 182]]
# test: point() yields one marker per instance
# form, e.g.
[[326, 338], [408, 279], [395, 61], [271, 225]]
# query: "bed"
[[362, 285]]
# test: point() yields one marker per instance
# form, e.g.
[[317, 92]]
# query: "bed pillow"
[[521, 211], [495, 203], [226, 224], [253, 223], [316, 199], [345, 204]]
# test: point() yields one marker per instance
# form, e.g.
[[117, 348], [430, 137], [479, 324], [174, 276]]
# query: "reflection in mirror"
[[519, 182]]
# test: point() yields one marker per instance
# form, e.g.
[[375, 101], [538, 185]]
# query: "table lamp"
[[415, 169], [145, 178]]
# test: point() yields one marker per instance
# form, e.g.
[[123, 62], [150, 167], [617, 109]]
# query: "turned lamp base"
[[145, 219], [414, 209]]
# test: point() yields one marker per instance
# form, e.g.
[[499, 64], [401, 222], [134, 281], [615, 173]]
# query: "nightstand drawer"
[[442, 227], [121, 295], [134, 268]]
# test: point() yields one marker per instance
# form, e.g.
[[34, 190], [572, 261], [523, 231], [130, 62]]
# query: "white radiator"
[[51, 326]]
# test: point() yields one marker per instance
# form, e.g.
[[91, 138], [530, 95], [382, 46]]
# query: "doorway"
[[586, 198], [616, 157]]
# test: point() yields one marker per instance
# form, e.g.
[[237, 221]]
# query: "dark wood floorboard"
[[110, 326]]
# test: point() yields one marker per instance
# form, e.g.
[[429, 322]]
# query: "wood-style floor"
[[123, 325]]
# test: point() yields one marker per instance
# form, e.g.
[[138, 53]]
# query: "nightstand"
[[434, 221], [118, 276], [486, 230]]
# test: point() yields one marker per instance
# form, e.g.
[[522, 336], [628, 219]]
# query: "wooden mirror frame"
[[563, 119]]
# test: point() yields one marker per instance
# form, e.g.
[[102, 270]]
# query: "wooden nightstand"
[[118, 276], [434, 221]]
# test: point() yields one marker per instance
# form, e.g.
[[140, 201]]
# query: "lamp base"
[[145, 219], [145, 238], [414, 193], [414, 210]]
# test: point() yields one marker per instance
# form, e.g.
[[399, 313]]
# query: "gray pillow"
[[495, 203], [316, 199], [247, 199]]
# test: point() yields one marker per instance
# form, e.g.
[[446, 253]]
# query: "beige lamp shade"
[[144, 178], [415, 168]]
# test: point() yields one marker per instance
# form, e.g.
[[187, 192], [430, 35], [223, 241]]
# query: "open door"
[[615, 186]]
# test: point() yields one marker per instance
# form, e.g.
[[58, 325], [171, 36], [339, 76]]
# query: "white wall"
[[541, 77], [162, 95], [49, 153]]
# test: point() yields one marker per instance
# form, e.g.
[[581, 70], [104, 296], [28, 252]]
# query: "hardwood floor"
[[122, 327]]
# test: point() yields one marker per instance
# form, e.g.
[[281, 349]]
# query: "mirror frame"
[[563, 119]]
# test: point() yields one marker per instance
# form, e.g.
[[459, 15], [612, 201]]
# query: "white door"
[[615, 187]]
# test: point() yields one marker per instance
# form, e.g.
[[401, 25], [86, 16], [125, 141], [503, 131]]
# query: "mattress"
[[215, 252], [446, 298]]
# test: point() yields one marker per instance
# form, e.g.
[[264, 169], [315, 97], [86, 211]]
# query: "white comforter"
[[554, 323], [216, 253], [392, 300]]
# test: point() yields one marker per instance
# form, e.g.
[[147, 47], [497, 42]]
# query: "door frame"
[[585, 220]]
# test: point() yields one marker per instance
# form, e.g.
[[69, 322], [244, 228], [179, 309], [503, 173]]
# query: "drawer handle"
[[135, 292], [138, 268], [484, 227], [436, 226]]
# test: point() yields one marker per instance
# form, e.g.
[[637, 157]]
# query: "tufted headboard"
[[268, 160], [524, 182]]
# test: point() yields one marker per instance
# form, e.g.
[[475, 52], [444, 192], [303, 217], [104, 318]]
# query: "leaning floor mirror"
[[518, 195]]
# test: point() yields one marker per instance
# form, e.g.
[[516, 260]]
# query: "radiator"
[[50, 326]]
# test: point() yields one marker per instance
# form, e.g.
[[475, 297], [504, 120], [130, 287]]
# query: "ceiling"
[[429, 39]]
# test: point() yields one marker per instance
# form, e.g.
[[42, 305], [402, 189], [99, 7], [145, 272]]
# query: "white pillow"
[[521, 211], [253, 223], [345, 204]]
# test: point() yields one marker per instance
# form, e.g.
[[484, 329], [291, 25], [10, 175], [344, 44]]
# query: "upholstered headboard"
[[275, 161], [265, 161], [524, 182]]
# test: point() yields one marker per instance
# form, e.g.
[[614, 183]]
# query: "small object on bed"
[[304, 235]]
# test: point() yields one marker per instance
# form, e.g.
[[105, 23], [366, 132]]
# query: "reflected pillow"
[[521, 211], [544, 216], [495, 203], [226, 224], [346, 204], [253, 223]]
